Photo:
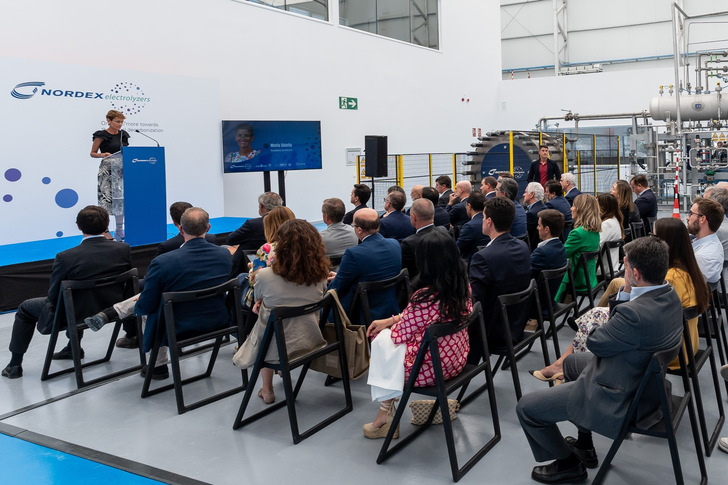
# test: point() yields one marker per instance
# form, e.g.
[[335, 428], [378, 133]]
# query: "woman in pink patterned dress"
[[442, 295]]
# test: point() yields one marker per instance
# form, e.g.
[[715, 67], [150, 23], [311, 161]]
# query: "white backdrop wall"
[[272, 65]]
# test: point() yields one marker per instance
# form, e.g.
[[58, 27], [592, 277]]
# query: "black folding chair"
[[651, 223], [275, 330], [591, 292], [613, 269], [654, 377], [638, 230], [695, 364], [104, 292], [442, 389], [400, 284], [228, 295], [568, 225], [525, 239], [548, 282]]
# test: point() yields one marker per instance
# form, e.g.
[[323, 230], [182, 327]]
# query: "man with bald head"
[[376, 258], [458, 212], [422, 216]]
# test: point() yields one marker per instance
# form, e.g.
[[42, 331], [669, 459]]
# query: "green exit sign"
[[348, 103]]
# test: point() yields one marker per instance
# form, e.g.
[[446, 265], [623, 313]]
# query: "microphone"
[[155, 141]]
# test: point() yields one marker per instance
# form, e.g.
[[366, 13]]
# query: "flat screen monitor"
[[263, 146]]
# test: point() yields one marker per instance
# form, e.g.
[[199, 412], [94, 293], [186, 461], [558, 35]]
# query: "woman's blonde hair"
[[587, 213], [273, 220]]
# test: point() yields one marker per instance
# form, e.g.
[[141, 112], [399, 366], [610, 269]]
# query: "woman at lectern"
[[105, 143], [244, 138]]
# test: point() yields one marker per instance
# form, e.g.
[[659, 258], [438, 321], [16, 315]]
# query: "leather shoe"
[[159, 373], [128, 343], [550, 473], [13, 371], [66, 354], [587, 457]]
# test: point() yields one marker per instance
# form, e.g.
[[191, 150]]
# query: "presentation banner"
[[48, 113]]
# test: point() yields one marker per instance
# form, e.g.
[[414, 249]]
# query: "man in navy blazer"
[[458, 214], [175, 211], [441, 218], [443, 185], [421, 216], [646, 317], [376, 258], [549, 252], [555, 200], [533, 196], [487, 187], [96, 257], [568, 185], [251, 235], [503, 266], [646, 201], [395, 224], [471, 234], [360, 195], [196, 265], [507, 187]]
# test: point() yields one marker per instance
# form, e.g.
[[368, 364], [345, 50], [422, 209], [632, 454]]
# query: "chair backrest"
[[548, 283], [335, 259], [78, 299], [525, 239], [361, 302], [651, 222], [638, 229], [568, 225], [583, 265], [437, 330], [218, 306], [613, 267], [512, 306]]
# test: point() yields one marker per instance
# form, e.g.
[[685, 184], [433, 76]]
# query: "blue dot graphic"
[[7, 198], [12, 175], [46, 180], [59, 234], [66, 198]]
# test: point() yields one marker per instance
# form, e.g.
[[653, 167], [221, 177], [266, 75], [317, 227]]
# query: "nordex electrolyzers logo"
[[123, 96]]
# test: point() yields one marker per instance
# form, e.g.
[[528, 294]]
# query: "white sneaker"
[[724, 372], [723, 444]]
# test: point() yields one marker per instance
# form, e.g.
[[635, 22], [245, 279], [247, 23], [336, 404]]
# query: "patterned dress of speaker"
[[111, 172]]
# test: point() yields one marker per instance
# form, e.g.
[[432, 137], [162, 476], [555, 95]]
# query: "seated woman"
[[683, 272], [265, 254], [584, 237], [296, 277], [611, 225], [623, 192], [442, 295]]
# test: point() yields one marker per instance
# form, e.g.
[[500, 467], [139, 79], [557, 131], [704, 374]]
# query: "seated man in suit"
[[421, 215], [251, 235], [443, 185], [96, 257], [568, 185], [646, 318], [441, 218], [487, 187], [646, 201], [175, 211], [507, 187], [458, 214], [395, 224], [503, 266], [533, 196], [196, 265], [376, 258], [337, 236], [471, 234], [555, 200], [360, 195], [550, 252]]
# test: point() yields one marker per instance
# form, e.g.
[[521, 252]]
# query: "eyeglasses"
[[695, 214]]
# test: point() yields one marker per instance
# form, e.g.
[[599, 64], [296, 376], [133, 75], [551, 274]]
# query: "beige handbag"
[[421, 410]]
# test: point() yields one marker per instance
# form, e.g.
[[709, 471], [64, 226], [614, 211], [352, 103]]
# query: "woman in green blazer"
[[584, 237]]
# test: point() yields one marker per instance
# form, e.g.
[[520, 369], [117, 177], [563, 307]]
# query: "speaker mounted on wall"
[[375, 156]]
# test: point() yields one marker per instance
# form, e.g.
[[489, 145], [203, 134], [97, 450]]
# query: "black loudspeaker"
[[375, 156]]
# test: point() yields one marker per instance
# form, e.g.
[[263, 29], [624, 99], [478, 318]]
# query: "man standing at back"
[[337, 236], [503, 266], [96, 257], [646, 201], [544, 169], [197, 264], [360, 195], [376, 258], [251, 235]]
